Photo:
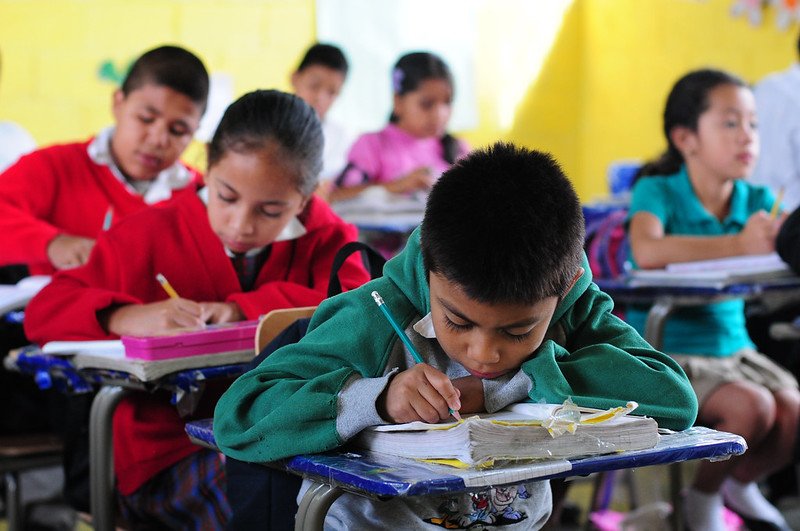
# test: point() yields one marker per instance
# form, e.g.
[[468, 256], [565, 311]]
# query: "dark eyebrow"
[[153, 110], [262, 203], [518, 324]]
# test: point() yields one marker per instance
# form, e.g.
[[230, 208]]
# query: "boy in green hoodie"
[[496, 294]]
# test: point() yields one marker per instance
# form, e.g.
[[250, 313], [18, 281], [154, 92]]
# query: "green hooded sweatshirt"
[[311, 396]]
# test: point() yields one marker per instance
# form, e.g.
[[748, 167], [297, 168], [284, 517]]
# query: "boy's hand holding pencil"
[[419, 393]]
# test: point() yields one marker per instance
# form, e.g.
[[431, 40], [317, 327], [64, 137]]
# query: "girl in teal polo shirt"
[[694, 205]]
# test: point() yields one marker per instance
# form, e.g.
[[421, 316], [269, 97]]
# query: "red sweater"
[[177, 240], [55, 190]]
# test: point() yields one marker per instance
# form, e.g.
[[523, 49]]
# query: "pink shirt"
[[391, 153]]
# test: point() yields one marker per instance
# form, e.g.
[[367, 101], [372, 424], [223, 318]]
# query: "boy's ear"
[[293, 79], [578, 275], [684, 139], [116, 104]]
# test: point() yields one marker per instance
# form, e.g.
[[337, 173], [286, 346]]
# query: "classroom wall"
[[596, 98], [600, 95], [53, 50]]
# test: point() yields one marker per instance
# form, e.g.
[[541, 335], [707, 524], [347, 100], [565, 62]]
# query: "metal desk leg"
[[677, 501], [101, 456], [657, 320], [314, 506]]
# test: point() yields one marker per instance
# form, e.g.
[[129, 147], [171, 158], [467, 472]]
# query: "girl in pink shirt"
[[412, 151]]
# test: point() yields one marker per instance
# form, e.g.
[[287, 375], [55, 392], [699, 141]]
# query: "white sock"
[[703, 511], [747, 500]]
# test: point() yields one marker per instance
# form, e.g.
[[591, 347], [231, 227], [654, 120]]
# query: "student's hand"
[[470, 392], [419, 179], [759, 233], [419, 393], [146, 319], [65, 251], [324, 190], [221, 312]]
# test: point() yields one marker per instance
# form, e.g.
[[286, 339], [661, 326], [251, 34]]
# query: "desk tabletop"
[[622, 288], [381, 475], [60, 373]]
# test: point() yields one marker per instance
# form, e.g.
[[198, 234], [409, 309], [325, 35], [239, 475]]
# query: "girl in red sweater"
[[255, 239]]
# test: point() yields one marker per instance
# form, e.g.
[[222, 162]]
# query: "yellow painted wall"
[[601, 93], [51, 51], [598, 97]]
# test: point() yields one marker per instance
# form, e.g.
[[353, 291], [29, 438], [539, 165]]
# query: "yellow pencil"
[[776, 206], [167, 286]]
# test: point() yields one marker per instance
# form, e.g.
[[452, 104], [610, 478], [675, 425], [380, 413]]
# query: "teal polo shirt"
[[714, 329]]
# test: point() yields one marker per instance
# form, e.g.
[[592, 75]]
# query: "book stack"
[[521, 431]]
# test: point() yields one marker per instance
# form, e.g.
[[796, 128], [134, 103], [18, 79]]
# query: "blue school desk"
[[58, 372], [380, 477], [665, 299]]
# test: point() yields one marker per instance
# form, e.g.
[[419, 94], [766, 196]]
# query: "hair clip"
[[397, 80]]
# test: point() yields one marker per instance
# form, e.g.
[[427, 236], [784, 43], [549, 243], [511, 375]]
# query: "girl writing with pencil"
[[415, 148], [253, 240], [694, 204]]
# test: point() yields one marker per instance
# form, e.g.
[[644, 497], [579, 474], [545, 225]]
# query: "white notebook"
[[715, 273], [17, 296]]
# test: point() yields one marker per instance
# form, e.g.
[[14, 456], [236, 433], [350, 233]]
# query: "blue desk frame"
[[186, 388], [666, 299], [381, 477]]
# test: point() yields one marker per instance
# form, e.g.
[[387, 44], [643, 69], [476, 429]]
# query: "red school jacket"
[[177, 241], [60, 189]]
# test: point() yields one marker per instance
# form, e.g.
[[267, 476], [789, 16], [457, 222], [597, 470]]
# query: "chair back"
[[276, 321]]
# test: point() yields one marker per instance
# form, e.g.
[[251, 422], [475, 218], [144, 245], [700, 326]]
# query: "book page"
[[526, 412], [111, 348], [512, 473], [733, 264]]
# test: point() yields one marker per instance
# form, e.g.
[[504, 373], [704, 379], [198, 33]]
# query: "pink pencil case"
[[213, 339]]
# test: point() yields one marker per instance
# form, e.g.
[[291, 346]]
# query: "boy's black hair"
[[172, 67], [506, 225], [263, 119], [687, 100], [327, 55]]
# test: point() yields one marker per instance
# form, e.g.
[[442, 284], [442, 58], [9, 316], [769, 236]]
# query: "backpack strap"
[[373, 260]]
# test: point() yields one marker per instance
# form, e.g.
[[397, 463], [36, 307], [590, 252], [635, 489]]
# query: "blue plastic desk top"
[[380, 476], [57, 372]]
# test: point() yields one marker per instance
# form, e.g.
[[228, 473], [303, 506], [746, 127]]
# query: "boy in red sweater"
[[55, 201], [255, 239]]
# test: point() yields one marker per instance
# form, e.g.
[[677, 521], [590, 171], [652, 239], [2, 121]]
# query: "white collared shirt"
[[159, 189], [424, 327], [778, 110]]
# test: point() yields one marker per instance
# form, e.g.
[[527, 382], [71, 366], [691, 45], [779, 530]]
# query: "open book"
[[521, 431], [715, 273]]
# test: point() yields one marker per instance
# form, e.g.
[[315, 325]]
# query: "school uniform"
[[15, 141], [778, 102], [695, 334], [177, 241], [387, 155], [68, 189], [314, 395]]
